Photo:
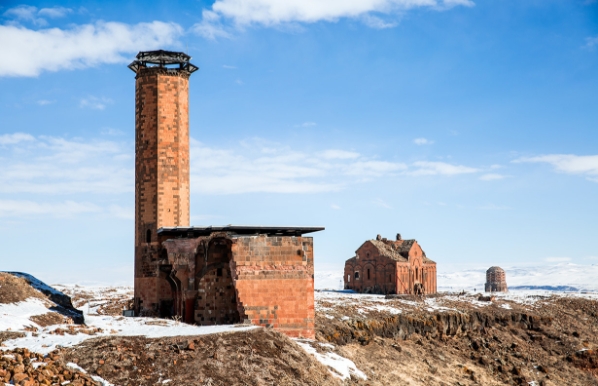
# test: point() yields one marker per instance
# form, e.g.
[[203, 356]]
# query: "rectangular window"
[[368, 274], [348, 278]]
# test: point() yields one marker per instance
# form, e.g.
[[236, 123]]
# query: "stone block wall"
[[274, 282]]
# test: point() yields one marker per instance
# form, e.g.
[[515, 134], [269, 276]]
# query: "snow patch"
[[340, 367]]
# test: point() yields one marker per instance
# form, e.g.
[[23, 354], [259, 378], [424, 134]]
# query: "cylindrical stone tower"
[[161, 163], [496, 280]]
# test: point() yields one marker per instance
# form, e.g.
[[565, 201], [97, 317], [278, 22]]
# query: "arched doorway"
[[216, 301]]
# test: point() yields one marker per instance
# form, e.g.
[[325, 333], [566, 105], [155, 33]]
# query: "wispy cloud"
[[339, 154], [11, 139], [227, 15], [492, 177], [60, 166], [306, 124], [591, 42], [335, 207], [422, 141], [44, 102], [28, 52], [95, 103], [28, 13], [226, 66], [425, 168], [19, 208], [280, 169], [586, 165]]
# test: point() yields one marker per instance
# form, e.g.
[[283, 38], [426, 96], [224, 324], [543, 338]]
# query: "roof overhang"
[[238, 230]]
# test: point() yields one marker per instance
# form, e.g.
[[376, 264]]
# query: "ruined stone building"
[[496, 280], [384, 266], [204, 275]]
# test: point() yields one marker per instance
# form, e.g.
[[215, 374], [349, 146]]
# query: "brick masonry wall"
[[161, 170], [274, 282]]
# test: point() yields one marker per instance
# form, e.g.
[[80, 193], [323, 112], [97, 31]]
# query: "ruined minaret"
[[161, 160]]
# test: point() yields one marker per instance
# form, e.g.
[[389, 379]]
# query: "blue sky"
[[470, 126]]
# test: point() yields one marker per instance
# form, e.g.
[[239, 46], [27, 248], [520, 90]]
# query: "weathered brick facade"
[[496, 280], [161, 168], [265, 280], [257, 275], [390, 267]]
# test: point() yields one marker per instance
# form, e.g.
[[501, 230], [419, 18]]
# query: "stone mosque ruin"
[[204, 275], [496, 280], [384, 266]]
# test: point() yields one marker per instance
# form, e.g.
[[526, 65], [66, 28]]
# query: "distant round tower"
[[496, 280]]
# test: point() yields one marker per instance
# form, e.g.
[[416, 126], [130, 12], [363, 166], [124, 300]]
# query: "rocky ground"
[[518, 339]]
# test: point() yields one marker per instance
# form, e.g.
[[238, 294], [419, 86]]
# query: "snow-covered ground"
[[552, 277], [15, 317]]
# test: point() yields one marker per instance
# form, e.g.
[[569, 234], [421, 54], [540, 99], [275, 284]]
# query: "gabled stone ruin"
[[385, 266]]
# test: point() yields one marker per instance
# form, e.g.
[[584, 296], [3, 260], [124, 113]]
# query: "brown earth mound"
[[254, 357], [15, 289]]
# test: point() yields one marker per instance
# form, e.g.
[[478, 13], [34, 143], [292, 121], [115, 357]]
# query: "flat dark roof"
[[237, 229]]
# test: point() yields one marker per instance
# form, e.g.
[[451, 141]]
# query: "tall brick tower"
[[161, 163]]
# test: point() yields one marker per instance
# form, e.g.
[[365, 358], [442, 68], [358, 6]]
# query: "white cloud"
[[280, 169], [275, 12], [18, 208], [591, 42], [568, 163], [52, 165], [422, 141], [61, 166], [211, 26], [339, 154], [28, 52], [31, 14], [54, 12], [95, 103], [492, 177], [226, 66], [306, 124], [425, 168], [26, 13], [44, 102], [335, 207], [269, 12], [11, 139]]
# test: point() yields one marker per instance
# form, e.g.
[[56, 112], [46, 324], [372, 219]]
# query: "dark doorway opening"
[[216, 301]]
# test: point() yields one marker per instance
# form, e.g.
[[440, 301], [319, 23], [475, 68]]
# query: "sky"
[[469, 125]]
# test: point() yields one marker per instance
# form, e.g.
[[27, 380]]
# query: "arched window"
[[356, 275], [416, 273], [348, 278], [368, 274], [148, 236]]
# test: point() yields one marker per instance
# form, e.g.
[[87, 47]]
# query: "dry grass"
[[15, 289]]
